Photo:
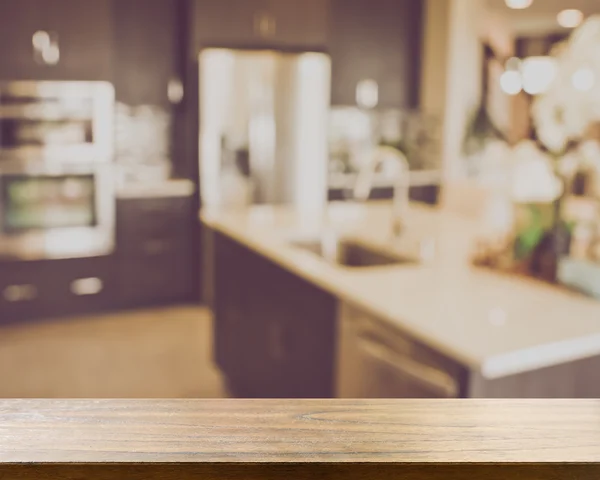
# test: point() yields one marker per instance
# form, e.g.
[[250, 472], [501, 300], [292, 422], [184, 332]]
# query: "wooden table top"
[[299, 431]]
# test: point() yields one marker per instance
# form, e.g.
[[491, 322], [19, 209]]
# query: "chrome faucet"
[[364, 185]]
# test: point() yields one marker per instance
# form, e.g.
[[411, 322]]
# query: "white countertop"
[[492, 323], [166, 188]]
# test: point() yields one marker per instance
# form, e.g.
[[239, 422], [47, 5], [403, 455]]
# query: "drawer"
[[23, 292], [153, 217], [53, 288], [83, 286], [158, 279], [156, 245]]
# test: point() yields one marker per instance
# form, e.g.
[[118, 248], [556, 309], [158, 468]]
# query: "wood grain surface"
[[202, 432]]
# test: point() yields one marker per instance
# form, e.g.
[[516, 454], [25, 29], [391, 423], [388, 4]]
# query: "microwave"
[[56, 120], [56, 210]]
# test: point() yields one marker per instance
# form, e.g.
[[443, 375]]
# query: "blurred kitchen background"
[[274, 198]]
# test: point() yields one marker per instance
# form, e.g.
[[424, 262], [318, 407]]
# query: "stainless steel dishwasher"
[[375, 360]]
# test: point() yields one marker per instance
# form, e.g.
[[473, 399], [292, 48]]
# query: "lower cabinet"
[[274, 332], [154, 264], [155, 255], [52, 288]]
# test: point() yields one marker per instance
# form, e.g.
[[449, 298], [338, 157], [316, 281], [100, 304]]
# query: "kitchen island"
[[281, 312]]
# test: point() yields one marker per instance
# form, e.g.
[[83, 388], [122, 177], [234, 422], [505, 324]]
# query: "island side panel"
[[274, 332]]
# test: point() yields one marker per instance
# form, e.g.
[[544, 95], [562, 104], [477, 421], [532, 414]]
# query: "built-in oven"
[[66, 121], [56, 210], [57, 196]]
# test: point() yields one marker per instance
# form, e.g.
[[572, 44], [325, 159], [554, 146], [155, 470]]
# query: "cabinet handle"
[[426, 375], [276, 341], [87, 286], [175, 91], [20, 293], [265, 24]]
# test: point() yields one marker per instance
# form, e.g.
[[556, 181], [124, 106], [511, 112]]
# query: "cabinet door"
[[146, 53], [155, 251], [236, 331], [302, 25], [293, 335], [81, 286], [84, 33], [274, 333], [377, 40], [85, 37], [20, 20], [308, 317], [231, 23], [163, 278], [23, 292]]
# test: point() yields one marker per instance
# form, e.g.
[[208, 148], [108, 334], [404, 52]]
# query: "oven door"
[[56, 120], [60, 212]]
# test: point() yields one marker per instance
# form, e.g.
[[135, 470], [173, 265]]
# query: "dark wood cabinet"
[[274, 332], [23, 292], [155, 251], [300, 24], [377, 40], [19, 21], [146, 50], [228, 23], [36, 290], [261, 24], [81, 286], [83, 30], [154, 264]]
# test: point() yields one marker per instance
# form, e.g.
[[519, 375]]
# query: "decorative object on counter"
[[565, 158], [564, 117], [582, 275]]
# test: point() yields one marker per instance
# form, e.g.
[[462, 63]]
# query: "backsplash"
[[143, 142], [355, 133]]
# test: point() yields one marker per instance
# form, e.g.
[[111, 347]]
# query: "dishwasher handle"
[[433, 378]]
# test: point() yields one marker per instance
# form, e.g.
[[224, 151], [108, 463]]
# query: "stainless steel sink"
[[349, 253]]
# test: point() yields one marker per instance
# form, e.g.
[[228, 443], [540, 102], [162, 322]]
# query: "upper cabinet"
[[82, 31], [284, 24], [300, 24], [376, 40], [146, 50]]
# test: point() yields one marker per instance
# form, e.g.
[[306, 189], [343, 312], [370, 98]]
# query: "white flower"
[[590, 154], [533, 177], [565, 112], [495, 164], [549, 119], [586, 36], [569, 164]]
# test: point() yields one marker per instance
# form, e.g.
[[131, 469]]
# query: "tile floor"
[[157, 353]]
